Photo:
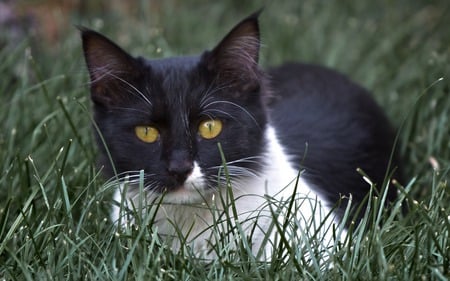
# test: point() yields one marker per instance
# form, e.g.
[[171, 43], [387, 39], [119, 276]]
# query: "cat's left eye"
[[147, 134], [210, 129]]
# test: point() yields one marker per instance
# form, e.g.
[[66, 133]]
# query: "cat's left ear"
[[235, 58], [110, 67]]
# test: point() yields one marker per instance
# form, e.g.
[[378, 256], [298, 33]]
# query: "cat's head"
[[168, 116]]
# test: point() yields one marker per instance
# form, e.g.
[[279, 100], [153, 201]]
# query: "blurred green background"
[[52, 191]]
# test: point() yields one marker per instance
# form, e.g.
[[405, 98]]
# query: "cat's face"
[[168, 116]]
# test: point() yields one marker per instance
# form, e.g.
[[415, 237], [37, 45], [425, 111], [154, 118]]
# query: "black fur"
[[331, 126], [326, 123]]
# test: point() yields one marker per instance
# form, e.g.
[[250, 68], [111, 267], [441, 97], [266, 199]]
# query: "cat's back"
[[330, 126]]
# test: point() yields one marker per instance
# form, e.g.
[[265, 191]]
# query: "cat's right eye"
[[210, 129], [146, 134]]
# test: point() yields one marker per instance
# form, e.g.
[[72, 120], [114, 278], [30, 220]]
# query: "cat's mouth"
[[192, 190], [186, 193]]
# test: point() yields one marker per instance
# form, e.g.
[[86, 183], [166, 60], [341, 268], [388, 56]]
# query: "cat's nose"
[[181, 170], [180, 167]]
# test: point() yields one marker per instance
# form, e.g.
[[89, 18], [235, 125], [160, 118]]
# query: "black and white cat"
[[167, 117]]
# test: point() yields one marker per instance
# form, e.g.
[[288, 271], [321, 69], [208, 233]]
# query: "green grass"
[[54, 202]]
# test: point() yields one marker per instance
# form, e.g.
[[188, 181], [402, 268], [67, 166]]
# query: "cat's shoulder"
[[311, 79], [320, 92]]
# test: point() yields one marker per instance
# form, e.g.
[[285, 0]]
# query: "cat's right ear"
[[235, 58], [109, 67]]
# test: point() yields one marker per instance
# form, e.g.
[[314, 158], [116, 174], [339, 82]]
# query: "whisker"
[[250, 159], [232, 104], [209, 94], [233, 173], [105, 72], [209, 113], [135, 91], [130, 109]]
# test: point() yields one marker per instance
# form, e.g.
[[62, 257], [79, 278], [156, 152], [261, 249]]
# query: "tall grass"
[[54, 202]]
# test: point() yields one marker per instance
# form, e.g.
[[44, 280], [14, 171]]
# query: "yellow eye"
[[210, 129], [146, 133]]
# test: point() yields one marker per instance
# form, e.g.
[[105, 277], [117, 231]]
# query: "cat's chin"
[[188, 195]]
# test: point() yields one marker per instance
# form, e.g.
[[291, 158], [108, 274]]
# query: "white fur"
[[194, 209]]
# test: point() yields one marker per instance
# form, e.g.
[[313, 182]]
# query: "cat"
[[187, 132]]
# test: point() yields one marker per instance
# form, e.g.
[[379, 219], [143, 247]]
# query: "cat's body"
[[338, 128], [167, 117]]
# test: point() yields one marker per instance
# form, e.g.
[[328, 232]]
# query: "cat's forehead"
[[174, 78], [175, 84], [173, 64], [175, 73]]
